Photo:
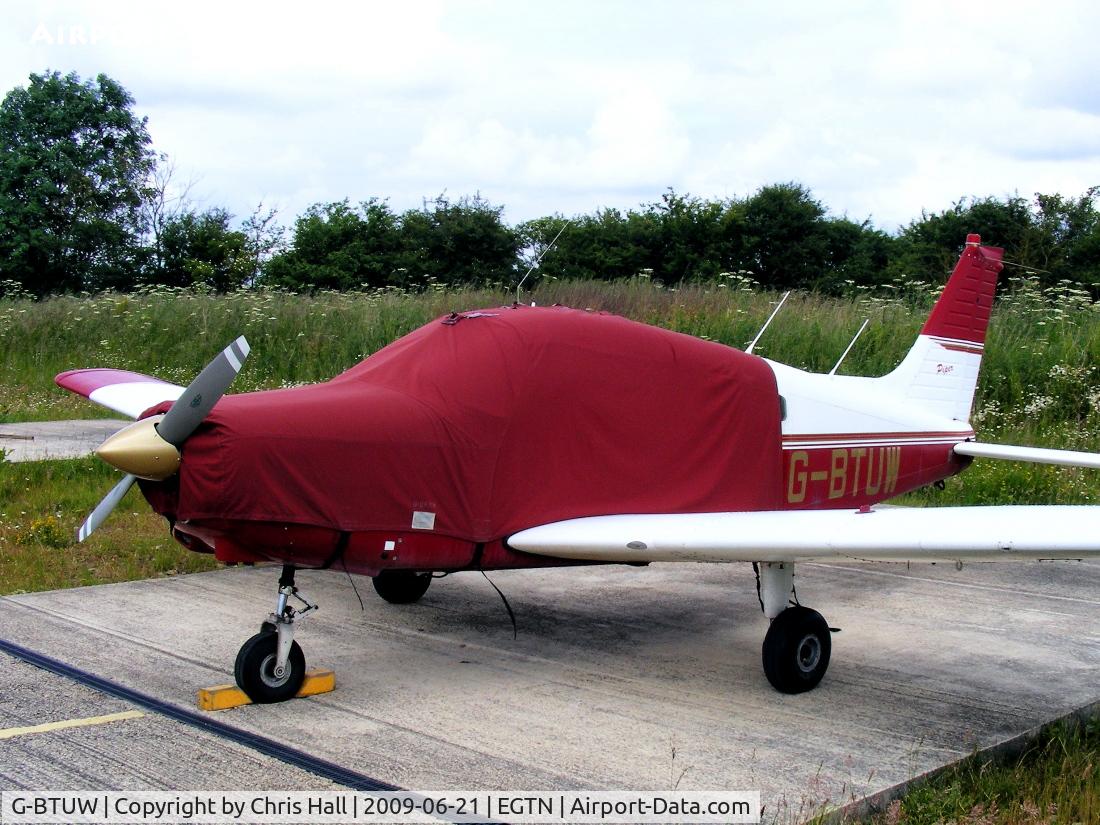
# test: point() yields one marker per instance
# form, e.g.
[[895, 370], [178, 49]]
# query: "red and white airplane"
[[521, 437]]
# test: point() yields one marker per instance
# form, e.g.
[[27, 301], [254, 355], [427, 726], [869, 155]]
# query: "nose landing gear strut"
[[270, 666]]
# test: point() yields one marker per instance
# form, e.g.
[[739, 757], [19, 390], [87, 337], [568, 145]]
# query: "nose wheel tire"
[[796, 650], [401, 586], [255, 669]]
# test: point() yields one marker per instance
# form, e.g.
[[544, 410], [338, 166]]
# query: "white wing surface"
[[1035, 455], [919, 534], [129, 393]]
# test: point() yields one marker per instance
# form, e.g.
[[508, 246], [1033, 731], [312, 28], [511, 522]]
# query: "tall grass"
[[1055, 781], [41, 505], [1040, 383]]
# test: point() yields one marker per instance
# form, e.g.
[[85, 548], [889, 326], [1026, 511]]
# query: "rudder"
[[940, 373]]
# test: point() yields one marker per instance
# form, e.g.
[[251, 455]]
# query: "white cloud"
[[632, 140], [881, 109]]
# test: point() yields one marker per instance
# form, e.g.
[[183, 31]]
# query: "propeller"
[[149, 448], [104, 508], [202, 394]]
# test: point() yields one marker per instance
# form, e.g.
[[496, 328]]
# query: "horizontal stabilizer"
[[129, 393], [1035, 455], [919, 534]]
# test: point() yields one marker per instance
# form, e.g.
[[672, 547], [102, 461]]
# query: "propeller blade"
[[104, 508], [203, 393]]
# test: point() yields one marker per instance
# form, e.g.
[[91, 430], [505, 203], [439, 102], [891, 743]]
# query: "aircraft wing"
[[919, 534], [129, 393], [1035, 455]]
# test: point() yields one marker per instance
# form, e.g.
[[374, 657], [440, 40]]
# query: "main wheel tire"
[[255, 665], [796, 650], [401, 586]]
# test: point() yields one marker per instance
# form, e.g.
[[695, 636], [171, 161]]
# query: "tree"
[[1055, 237], [785, 236], [338, 246], [606, 246], [164, 202], [458, 242], [855, 252], [697, 238], [933, 242], [266, 239], [74, 161], [200, 249], [1070, 229]]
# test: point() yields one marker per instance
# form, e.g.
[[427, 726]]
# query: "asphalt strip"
[[269, 747]]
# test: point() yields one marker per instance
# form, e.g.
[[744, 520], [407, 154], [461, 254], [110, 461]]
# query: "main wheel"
[[401, 586], [255, 669], [796, 650]]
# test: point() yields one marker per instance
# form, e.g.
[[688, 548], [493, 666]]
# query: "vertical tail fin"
[[941, 370]]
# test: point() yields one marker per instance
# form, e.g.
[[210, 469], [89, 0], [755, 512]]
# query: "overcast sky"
[[881, 109]]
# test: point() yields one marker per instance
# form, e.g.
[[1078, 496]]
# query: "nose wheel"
[[256, 669], [270, 666]]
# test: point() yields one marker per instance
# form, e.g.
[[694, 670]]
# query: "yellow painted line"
[[224, 697], [9, 733]]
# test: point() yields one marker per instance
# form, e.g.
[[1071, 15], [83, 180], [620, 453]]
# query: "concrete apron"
[[40, 440], [620, 678]]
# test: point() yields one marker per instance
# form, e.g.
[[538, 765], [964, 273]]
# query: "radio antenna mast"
[[845, 353], [538, 260], [779, 306]]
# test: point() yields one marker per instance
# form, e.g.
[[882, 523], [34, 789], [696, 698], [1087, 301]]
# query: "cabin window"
[[782, 408]]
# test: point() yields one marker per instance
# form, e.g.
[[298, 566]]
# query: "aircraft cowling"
[[481, 424]]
